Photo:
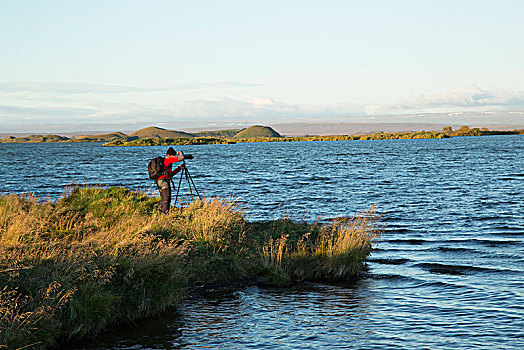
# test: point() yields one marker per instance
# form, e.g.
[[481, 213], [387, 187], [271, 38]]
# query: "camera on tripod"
[[189, 180]]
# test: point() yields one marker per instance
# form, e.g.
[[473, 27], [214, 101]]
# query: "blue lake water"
[[448, 272]]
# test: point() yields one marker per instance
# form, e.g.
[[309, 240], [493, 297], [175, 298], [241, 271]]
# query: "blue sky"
[[109, 64]]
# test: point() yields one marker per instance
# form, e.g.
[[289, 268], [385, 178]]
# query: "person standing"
[[163, 183]]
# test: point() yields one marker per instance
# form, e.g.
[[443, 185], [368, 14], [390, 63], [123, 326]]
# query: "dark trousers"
[[164, 188]]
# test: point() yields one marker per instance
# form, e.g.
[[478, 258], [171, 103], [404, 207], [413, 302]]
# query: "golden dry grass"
[[101, 256]]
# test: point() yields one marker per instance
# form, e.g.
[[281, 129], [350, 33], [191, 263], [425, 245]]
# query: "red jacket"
[[168, 165]]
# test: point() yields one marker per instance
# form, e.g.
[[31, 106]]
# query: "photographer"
[[163, 183]]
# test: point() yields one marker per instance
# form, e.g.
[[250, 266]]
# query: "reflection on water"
[[448, 273], [305, 316]]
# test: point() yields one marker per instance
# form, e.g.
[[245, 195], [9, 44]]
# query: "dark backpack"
[[155, 168]]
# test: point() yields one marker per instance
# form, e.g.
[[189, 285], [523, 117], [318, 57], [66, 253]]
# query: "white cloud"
[[93, 88], [262, 101], [70, 108], [464, 98], [16, 114]]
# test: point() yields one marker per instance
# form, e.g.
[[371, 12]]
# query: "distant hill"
[[34, 139], [218, 133], [102, 137], [156, 132], [257, 131]]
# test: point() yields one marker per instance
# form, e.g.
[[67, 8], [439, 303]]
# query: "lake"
[[447, 273]]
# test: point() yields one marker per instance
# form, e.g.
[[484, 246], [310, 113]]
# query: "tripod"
[[190, 183]]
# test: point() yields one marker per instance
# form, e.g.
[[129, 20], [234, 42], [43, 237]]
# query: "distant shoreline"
[[154, 136]]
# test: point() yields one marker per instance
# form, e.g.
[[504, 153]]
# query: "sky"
[[123, 65]]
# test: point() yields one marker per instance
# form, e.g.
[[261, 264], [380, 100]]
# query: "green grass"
[[103, 256], [170, 141]]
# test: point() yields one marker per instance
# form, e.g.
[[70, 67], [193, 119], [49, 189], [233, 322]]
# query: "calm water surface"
[[448, 273]]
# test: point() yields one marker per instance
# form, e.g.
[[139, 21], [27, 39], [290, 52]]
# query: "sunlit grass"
[[329, 251], [102, 256]]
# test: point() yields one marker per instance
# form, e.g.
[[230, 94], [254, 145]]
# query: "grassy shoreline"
[[446, 133], [102, 256]]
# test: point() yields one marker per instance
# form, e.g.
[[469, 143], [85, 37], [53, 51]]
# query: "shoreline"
[[103, 256], [377, 136], [124, 140]]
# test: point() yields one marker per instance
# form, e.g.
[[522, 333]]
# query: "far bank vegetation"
[[252, 136], [154, 136]]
